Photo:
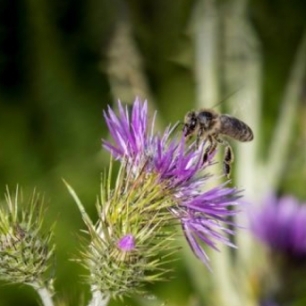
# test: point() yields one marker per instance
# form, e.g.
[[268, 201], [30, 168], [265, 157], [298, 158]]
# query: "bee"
[[210, 126]]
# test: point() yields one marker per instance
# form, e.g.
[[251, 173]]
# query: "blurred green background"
[[62, 62]]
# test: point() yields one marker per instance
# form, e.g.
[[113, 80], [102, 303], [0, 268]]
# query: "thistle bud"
[[25, 251], [124, 252]]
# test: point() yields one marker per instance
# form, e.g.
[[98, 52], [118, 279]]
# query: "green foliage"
[[54, 85]]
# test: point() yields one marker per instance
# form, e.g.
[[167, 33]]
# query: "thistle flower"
[[25, 251], [160, 184], [280, 224], [178, 170]]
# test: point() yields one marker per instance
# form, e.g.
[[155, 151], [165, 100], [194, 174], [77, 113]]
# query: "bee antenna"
[[227, 97]]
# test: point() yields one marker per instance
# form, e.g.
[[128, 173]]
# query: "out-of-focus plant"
[[279, 223]]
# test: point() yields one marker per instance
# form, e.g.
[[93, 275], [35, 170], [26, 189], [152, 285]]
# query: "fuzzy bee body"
[[209, 125]]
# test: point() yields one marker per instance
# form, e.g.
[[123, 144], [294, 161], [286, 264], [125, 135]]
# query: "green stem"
[[44, 294], [206, 36], [98, 298], [206, 40], [283, 132]]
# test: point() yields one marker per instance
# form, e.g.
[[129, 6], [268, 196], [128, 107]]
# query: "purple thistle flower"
[[280, 223], [179, 169], [137, 146]]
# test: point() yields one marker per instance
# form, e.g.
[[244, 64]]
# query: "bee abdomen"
[[248, 135], [235, 128]]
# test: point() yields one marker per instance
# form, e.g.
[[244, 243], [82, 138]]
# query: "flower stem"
[[45, 295], [98, 298]]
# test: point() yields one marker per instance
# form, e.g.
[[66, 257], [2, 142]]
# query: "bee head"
[[190, 123]]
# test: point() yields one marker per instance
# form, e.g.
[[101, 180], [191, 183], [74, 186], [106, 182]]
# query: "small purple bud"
[[126, 243]]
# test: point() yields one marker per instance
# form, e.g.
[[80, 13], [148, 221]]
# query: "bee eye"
[[207, 115]]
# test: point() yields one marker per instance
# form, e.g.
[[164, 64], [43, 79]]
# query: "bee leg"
[[210, 149], [199, 137], [228, 155], [228, 159], [227, 169]]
